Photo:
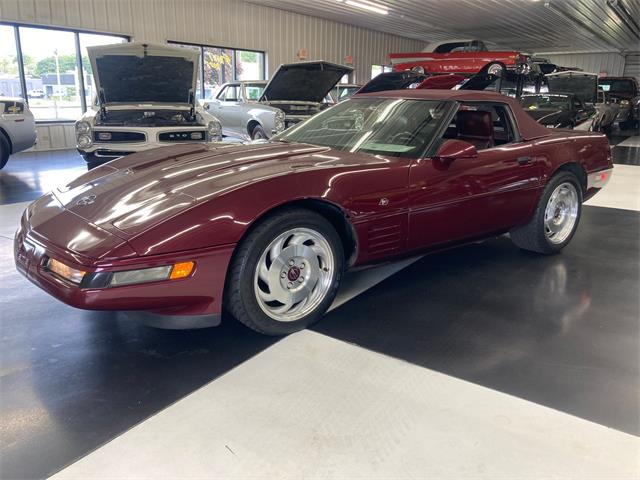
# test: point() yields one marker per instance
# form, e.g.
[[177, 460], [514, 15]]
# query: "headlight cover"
[[278, 121], [624, 102], [214, 128], [83, 127]]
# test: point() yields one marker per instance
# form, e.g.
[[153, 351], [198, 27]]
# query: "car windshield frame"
[[551, 106], [388, 126]]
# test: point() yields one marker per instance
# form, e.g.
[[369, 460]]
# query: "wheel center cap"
[[293, 273]]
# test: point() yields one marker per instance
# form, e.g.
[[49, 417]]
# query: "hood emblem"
[[87, 200]]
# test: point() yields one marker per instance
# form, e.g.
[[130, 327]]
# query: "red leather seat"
[[476, 128]]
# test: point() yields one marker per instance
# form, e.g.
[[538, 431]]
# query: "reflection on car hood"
[[549, 117], [143, 73], [304, 81], [131, 194]]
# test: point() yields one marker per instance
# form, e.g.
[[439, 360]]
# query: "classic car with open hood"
[[259, 109], [264, 231], [625, 92], [569, 102], [145, 98]]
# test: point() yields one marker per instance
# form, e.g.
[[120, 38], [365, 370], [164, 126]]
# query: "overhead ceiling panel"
[[526, 25]]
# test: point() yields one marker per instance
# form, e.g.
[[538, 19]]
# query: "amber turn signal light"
[[181, 270]]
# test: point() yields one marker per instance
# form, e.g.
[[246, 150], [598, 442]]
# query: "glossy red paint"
[[196, 202], [458, 62]]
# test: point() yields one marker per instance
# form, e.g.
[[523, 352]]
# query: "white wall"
[[229, 23], [612, 63]]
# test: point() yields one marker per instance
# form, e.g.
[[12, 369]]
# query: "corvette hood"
[[304, 81], [130, 73], [131, 194]]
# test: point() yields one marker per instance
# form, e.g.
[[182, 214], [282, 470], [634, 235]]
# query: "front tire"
[[4, 150], [285, 274], [556, 217], [258, 133]]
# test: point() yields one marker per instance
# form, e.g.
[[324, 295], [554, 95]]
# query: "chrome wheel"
[[294, 274], [495, 69], [561, 213]]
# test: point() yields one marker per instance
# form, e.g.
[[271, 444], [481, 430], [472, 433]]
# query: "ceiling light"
[[365, 5]]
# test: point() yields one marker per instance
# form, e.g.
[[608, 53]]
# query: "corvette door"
[[472, 197]]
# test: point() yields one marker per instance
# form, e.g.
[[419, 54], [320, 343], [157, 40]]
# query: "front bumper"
[[199, 294]]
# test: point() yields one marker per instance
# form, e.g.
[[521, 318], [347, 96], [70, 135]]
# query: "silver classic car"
[[259, 109], [145, 99], [17, 128]]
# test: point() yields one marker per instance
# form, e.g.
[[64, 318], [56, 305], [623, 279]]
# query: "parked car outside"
[[295, 92], [626, 93], [145, 99], [179, 232], [17, 128], [464, 56]]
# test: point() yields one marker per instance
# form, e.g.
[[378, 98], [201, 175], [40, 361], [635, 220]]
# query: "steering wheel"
[[402, 138]]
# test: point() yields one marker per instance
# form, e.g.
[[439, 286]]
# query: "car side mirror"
[[454, 149]]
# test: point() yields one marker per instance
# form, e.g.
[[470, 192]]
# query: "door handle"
[[524, 160]]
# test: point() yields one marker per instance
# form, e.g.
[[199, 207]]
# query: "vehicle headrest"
[[475, 124]]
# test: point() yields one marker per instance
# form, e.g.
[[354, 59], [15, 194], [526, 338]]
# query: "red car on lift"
[[464, 56], [264, 231]]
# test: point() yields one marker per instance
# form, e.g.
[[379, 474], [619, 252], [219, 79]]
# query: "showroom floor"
[[436, 365]]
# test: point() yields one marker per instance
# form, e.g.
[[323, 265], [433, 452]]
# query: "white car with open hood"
[[258, 109], [145, 99]]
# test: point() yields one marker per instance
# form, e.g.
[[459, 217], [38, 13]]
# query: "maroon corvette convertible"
[[266, 230]]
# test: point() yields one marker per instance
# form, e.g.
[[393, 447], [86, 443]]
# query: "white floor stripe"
[[312, 407], [623, 190], [630, 142]]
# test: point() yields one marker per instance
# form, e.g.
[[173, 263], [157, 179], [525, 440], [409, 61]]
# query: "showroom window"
[[220, 65], [50, 68]]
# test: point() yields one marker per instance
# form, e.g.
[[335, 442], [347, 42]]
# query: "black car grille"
[[114, 136], [183, 136]]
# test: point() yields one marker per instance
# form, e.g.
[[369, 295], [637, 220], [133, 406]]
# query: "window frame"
[[78, 52], [234, 51]]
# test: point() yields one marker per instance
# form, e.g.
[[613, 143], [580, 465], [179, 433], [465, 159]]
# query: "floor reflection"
[[28, 175]]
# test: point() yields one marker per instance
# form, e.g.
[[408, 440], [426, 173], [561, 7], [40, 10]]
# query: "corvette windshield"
[[388, 126], [545, 102]]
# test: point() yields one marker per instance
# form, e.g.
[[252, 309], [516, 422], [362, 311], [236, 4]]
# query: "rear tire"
[[5, 149], [285, 274], [496, 69], [556, 218]]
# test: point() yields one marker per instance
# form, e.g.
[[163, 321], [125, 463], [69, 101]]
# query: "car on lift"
[[17, 128], [265, 231], [625, 92], [145, 99], [258, 109], [461, 56]]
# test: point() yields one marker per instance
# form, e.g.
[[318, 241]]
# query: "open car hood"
[[144, 73], [584, 85], [304, 81]]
